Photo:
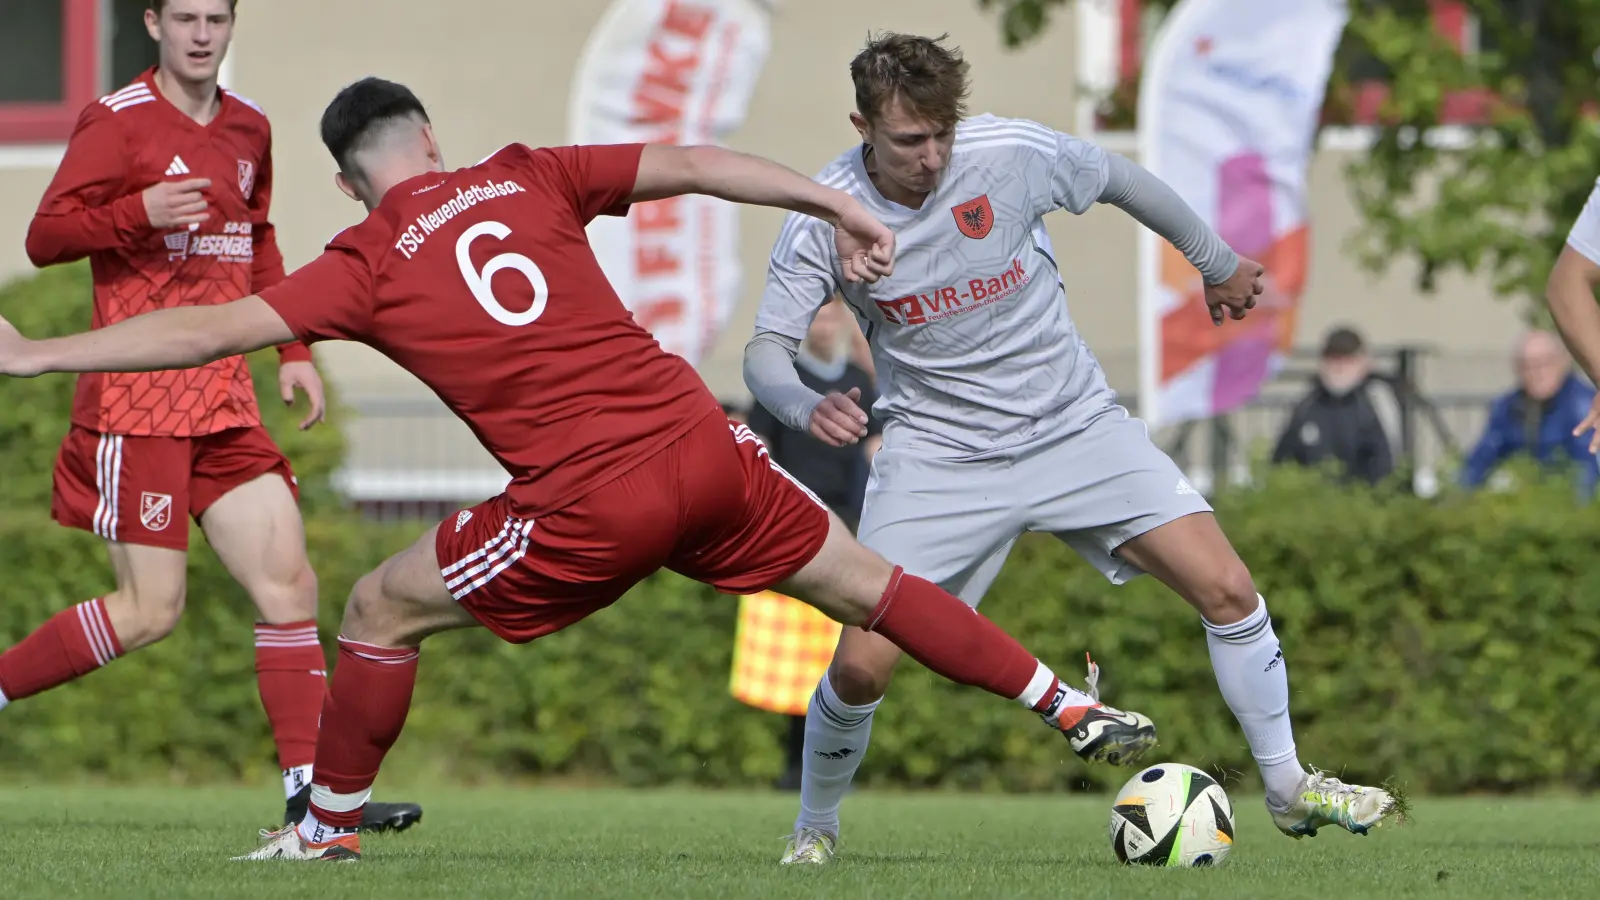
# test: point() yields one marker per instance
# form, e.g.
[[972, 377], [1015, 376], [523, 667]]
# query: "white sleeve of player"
[[800, 277], [1063, 172], [1585, 234]]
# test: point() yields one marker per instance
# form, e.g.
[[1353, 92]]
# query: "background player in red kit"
[[165, 186], [481, 282]]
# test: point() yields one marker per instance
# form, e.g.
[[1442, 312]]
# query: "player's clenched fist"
[[866, 245], [177, 204], [838, 419], [1236, 296]]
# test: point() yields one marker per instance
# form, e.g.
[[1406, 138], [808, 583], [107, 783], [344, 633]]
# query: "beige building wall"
[[499, 70]]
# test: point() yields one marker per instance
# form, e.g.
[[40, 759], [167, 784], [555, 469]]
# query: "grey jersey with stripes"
[[972, 341]]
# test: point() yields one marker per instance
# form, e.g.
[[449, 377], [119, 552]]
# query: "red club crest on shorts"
[[974, 217], [247, 177], [155, 510]]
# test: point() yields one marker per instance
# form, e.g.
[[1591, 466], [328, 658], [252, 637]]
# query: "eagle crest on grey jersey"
[[972, 341]]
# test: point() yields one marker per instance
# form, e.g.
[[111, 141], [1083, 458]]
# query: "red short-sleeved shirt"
[[481, 282]]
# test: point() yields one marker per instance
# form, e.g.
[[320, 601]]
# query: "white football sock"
[[3, 700], [1049, 696], [314, 831], [1255, 683], [295, 779], [836, 740]]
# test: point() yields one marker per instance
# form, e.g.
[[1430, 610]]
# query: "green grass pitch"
[[170, 843]]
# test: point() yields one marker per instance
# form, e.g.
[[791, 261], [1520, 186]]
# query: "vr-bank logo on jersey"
[[974, 217], [155, 510], [953, 300]]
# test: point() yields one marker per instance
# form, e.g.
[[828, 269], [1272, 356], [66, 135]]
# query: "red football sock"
[[952, 638], [291, 674], [361, 718], [73, 643]]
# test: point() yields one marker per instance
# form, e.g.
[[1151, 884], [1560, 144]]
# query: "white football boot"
[[1324, 800], [286, 843], [809, 846]]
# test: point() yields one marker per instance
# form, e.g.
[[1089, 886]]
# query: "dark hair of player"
[[362, 113], [158, 5], [928, 77]]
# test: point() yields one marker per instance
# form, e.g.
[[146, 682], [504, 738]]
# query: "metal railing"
[[411, 458]]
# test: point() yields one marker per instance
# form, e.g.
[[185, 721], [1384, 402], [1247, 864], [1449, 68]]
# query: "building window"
[[131, 50], [56, 56], [32, 53]]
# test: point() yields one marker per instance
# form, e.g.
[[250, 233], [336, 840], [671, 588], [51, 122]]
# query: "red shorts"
[[135, 489], [711, 506]]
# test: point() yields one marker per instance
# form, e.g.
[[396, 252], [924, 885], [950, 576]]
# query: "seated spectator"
[[1537, 417], [1349, 414]]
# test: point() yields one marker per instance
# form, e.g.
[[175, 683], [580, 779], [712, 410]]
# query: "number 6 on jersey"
[[479, 281]]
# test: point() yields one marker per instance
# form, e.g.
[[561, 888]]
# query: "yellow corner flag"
[[781, 647]]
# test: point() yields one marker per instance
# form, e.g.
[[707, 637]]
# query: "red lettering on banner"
[[659, 95], [655, 259], [660, 215], [659, 310], [676, 52], [688, 19]]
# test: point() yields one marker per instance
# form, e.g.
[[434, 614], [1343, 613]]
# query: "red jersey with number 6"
[[124, 143], [481, 282]]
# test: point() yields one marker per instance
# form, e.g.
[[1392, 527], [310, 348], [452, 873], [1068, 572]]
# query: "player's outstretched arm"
[[1232, 282], [166, 339], [866, 246], [1570, 293]]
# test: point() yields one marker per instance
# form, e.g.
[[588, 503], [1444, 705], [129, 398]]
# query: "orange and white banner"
[[672, 72], [1228, 108]]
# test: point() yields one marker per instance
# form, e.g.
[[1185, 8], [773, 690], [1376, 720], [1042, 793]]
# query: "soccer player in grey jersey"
[[997, 418]]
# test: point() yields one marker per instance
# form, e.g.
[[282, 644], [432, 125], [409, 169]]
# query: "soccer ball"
[[1172, 815]]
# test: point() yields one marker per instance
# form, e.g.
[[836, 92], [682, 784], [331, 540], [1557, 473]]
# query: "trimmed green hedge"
[[1451, 643]]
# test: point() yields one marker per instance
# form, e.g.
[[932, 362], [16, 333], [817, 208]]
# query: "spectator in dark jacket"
[[1349, 414], [1538, 416], [837, 475], [834, 474]]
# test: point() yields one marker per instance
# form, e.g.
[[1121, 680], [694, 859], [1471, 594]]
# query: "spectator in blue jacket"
[[1538, 416]]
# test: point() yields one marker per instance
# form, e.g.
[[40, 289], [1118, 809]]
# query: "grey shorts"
[[954, 522]]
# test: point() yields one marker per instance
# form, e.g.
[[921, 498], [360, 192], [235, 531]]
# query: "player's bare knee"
[[142, 616], [367, 611], [1227, 595], [859, 679], [381, 614], [290, 598]]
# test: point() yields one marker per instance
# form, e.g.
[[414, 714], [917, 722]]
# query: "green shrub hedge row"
[[1451, 643]]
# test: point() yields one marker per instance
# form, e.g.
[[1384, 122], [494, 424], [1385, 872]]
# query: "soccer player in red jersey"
[[482, 283], [165, 187]]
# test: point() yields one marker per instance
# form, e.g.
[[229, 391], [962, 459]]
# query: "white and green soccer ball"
[[1172, 815]]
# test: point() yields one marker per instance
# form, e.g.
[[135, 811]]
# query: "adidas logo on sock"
[[840, 753], [177, 167]]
